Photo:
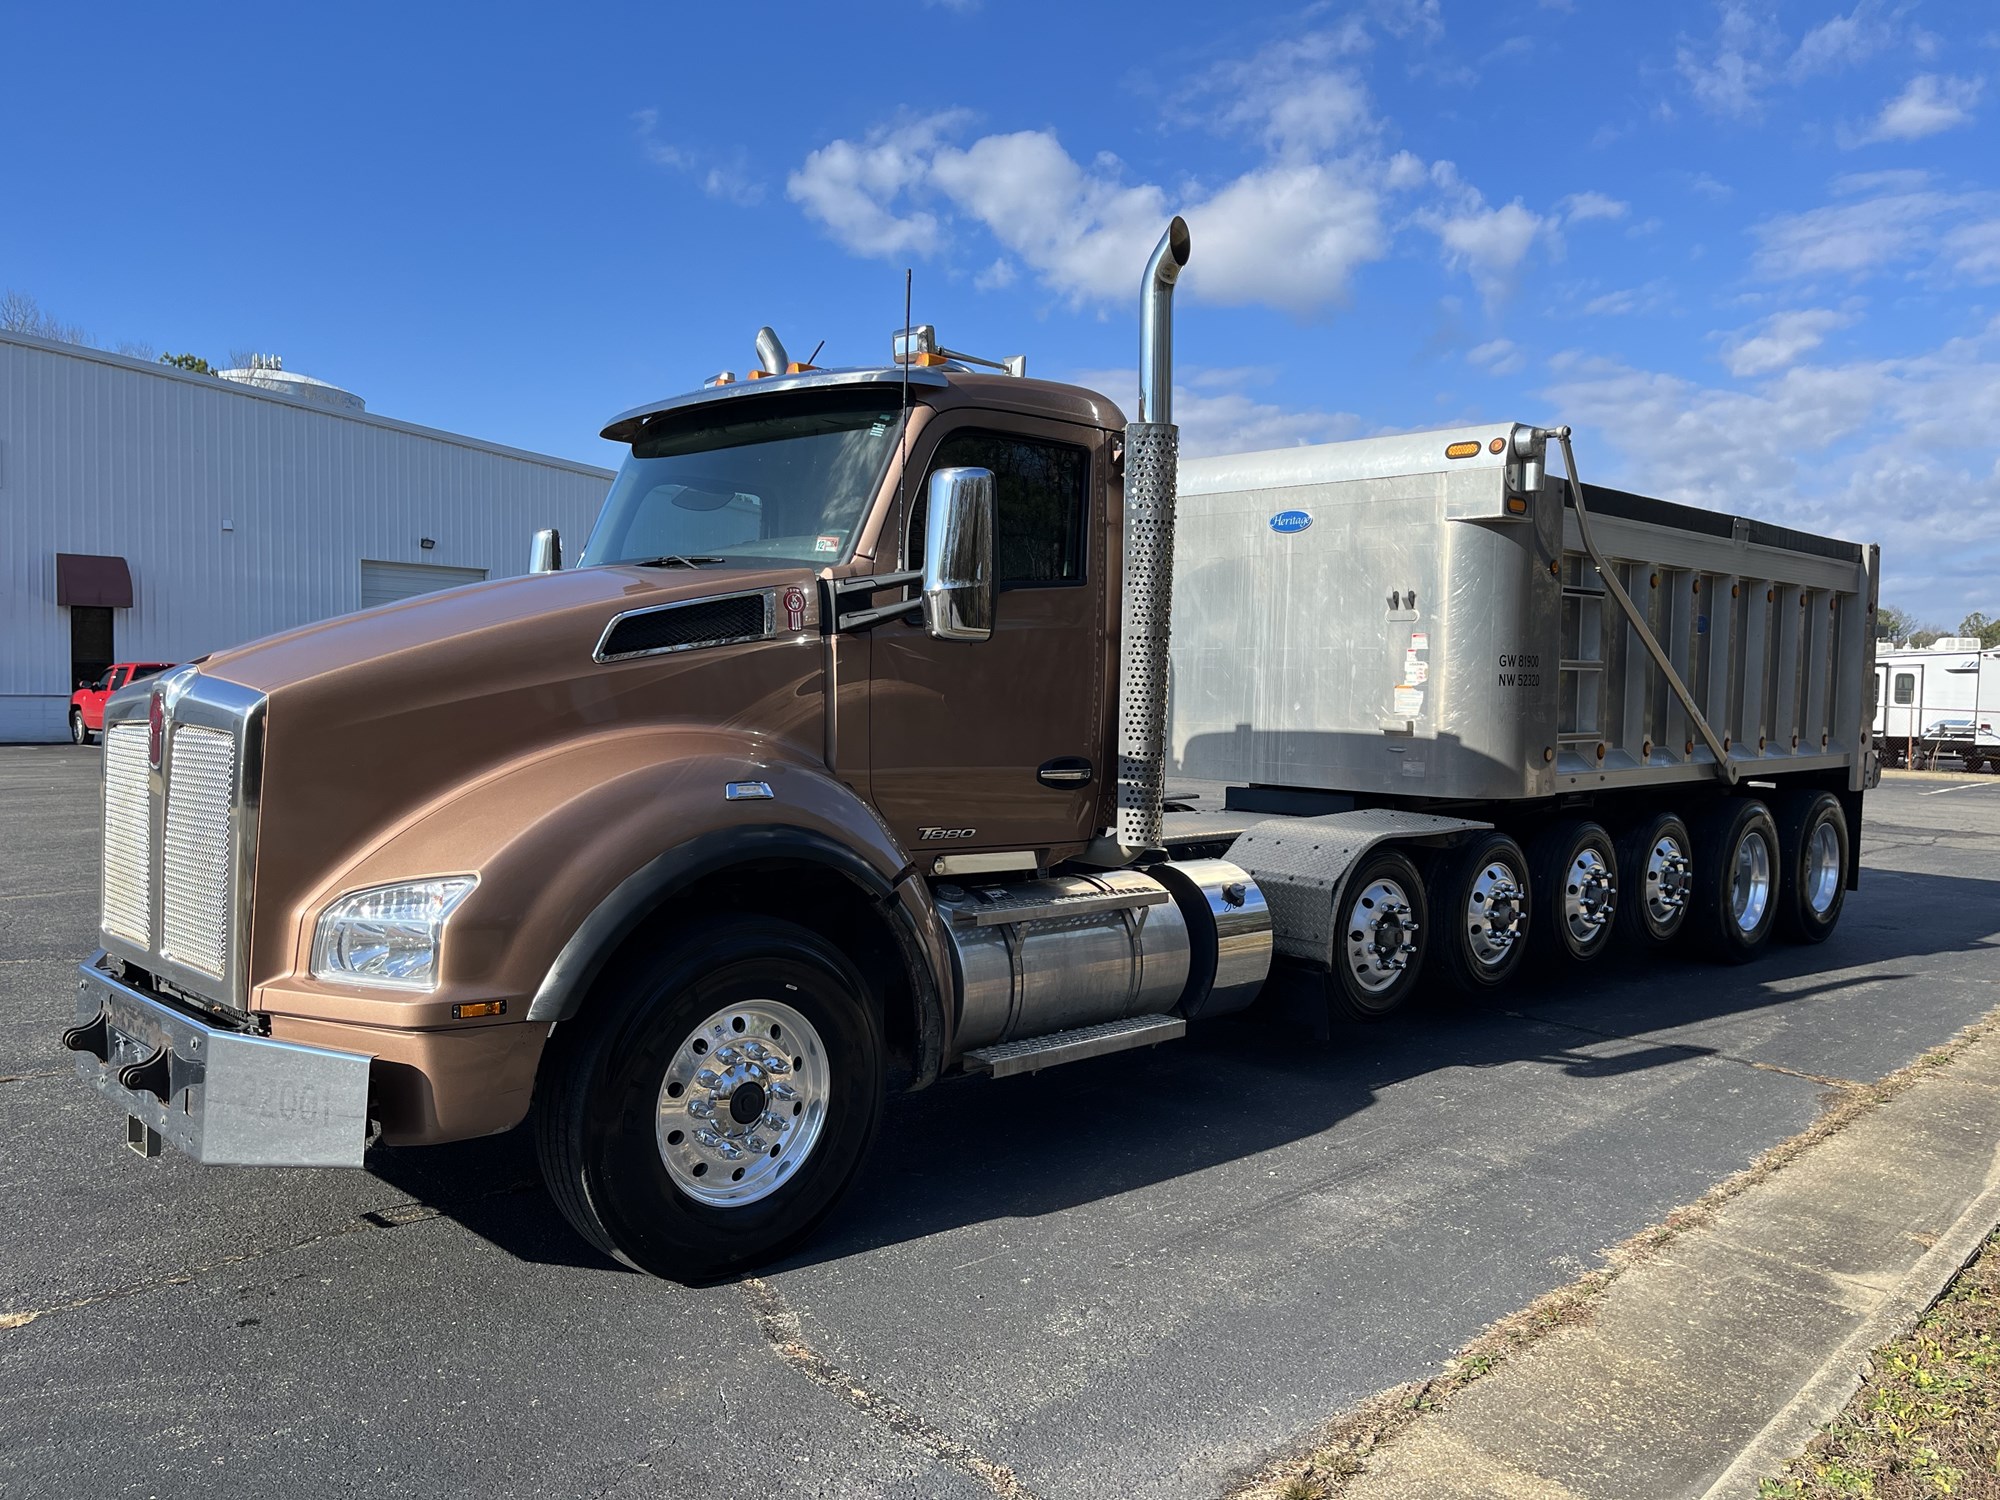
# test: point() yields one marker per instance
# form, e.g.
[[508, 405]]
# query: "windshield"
[[790, 485]]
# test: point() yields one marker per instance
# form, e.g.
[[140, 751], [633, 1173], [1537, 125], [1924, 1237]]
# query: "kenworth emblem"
[[156, 728], [1285, 522]]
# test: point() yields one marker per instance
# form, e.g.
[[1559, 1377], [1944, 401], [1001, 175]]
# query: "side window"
[[1041, 495], [1906, 687]]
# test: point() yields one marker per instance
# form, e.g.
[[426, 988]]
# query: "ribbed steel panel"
[[128, 884], [194, 864], [104, 454]]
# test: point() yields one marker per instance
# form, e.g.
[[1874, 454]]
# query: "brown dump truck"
[[857, 752]]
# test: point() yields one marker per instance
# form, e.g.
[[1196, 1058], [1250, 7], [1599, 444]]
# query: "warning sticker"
[[1420, 640], [1412, 767], [1416, 671], [1409, 700]]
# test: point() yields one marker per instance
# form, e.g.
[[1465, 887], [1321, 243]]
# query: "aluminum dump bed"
[[1419, 617]]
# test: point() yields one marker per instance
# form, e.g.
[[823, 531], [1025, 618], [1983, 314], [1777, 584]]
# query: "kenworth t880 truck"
[[910, 722]]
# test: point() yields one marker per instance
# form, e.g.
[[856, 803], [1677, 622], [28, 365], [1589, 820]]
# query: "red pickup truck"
[[86, 704]]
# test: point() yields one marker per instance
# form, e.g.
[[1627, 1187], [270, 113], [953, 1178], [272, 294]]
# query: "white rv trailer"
[[1939, 703]]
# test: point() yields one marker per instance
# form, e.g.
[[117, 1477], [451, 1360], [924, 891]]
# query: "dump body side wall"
[[1435, 634]]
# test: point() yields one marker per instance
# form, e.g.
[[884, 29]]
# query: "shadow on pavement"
[[968, 1151]]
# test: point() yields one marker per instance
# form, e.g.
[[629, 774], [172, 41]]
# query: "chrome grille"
[[196, 879], [128, 883]]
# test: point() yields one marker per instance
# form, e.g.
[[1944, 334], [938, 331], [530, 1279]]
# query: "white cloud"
[[728, 178], [1218, 412], [1488, 243], [1975, 250], [1579, 208], [1626, 301], [1930, 104], [1709, 187], [1842, 41], [846, 186], [1497, 356], [1886, 220], [1778, 341], [1728, 74], [1892, 450]]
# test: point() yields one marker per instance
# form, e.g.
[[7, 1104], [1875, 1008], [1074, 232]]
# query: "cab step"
[[1032, 1054]]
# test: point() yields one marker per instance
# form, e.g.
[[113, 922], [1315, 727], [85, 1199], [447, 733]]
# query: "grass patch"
[[1926, 1421]]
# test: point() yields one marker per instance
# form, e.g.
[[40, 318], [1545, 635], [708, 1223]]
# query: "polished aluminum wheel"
[[1496, 915], [1750, 882], [743, 1103], [1823, 871], [1669, 874], [1381, 935], [1590, 895]]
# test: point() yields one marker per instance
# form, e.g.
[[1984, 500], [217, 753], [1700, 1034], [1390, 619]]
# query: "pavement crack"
[[1690, 1048], [782, 1331], [27, 1077]]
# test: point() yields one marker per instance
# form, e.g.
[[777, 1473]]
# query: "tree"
[[1893, 624], [20, 313], [192, 362], [1978, 624], [1925, 637]]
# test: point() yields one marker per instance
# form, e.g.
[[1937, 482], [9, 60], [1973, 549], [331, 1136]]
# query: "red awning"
[[83, 578]]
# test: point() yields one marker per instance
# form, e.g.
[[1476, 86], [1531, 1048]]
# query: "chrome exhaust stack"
[[1152, 460]]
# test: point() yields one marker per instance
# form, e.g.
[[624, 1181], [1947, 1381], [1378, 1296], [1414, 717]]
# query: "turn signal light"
[[1461, 450], [473, 1009]]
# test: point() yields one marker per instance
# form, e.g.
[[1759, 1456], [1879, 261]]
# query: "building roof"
[[230, 389]]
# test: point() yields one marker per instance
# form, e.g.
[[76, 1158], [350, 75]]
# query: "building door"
[[91, 649], [1001, 743], [386, 582]]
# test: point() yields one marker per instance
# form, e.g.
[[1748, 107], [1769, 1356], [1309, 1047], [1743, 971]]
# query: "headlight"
[[388, 936]]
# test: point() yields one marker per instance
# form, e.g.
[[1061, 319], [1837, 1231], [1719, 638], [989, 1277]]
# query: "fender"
[[621, 913], [573, 847]]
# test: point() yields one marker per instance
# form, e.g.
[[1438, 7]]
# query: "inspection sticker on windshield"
[[827, 544]]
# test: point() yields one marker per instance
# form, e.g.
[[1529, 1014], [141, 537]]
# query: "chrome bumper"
[[224, 1097]]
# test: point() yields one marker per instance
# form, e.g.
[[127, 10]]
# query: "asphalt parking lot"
[[1139, 1276]]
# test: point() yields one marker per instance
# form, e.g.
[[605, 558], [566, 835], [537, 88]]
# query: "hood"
[[374, 718]]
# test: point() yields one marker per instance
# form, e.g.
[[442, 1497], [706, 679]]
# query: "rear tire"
[[1480, 900], [1378, 950], [1573, 868], [78, 734], [668, 1032], [1656, 865], [1737, 879], [1813, 853]]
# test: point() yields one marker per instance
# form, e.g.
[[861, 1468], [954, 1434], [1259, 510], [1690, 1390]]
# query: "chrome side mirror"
[[958, 555], [545, 552]]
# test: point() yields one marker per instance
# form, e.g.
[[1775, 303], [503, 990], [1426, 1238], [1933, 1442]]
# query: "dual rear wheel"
[[1728, 878]]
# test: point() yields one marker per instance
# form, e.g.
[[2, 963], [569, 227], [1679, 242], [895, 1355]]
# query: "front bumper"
[[224, 1097]]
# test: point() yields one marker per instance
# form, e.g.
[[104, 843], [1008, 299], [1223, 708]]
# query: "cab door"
[[1000, 744]]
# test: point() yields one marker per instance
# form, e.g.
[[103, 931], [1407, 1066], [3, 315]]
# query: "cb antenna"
[[903, 468]]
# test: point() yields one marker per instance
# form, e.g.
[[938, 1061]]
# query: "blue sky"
[[1751, 251]]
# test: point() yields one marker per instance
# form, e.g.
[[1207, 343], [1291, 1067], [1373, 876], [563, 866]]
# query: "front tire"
[[1480, 900], [1813, 853], [1736, 879], [1378, 950], [713, 1099], [78, 734]]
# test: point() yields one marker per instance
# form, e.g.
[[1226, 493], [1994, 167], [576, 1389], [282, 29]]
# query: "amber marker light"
[[1496, 445], [1461, 450], [1517, 505], [472, 1010]]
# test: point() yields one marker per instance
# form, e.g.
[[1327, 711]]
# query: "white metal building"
[[147, 513]]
